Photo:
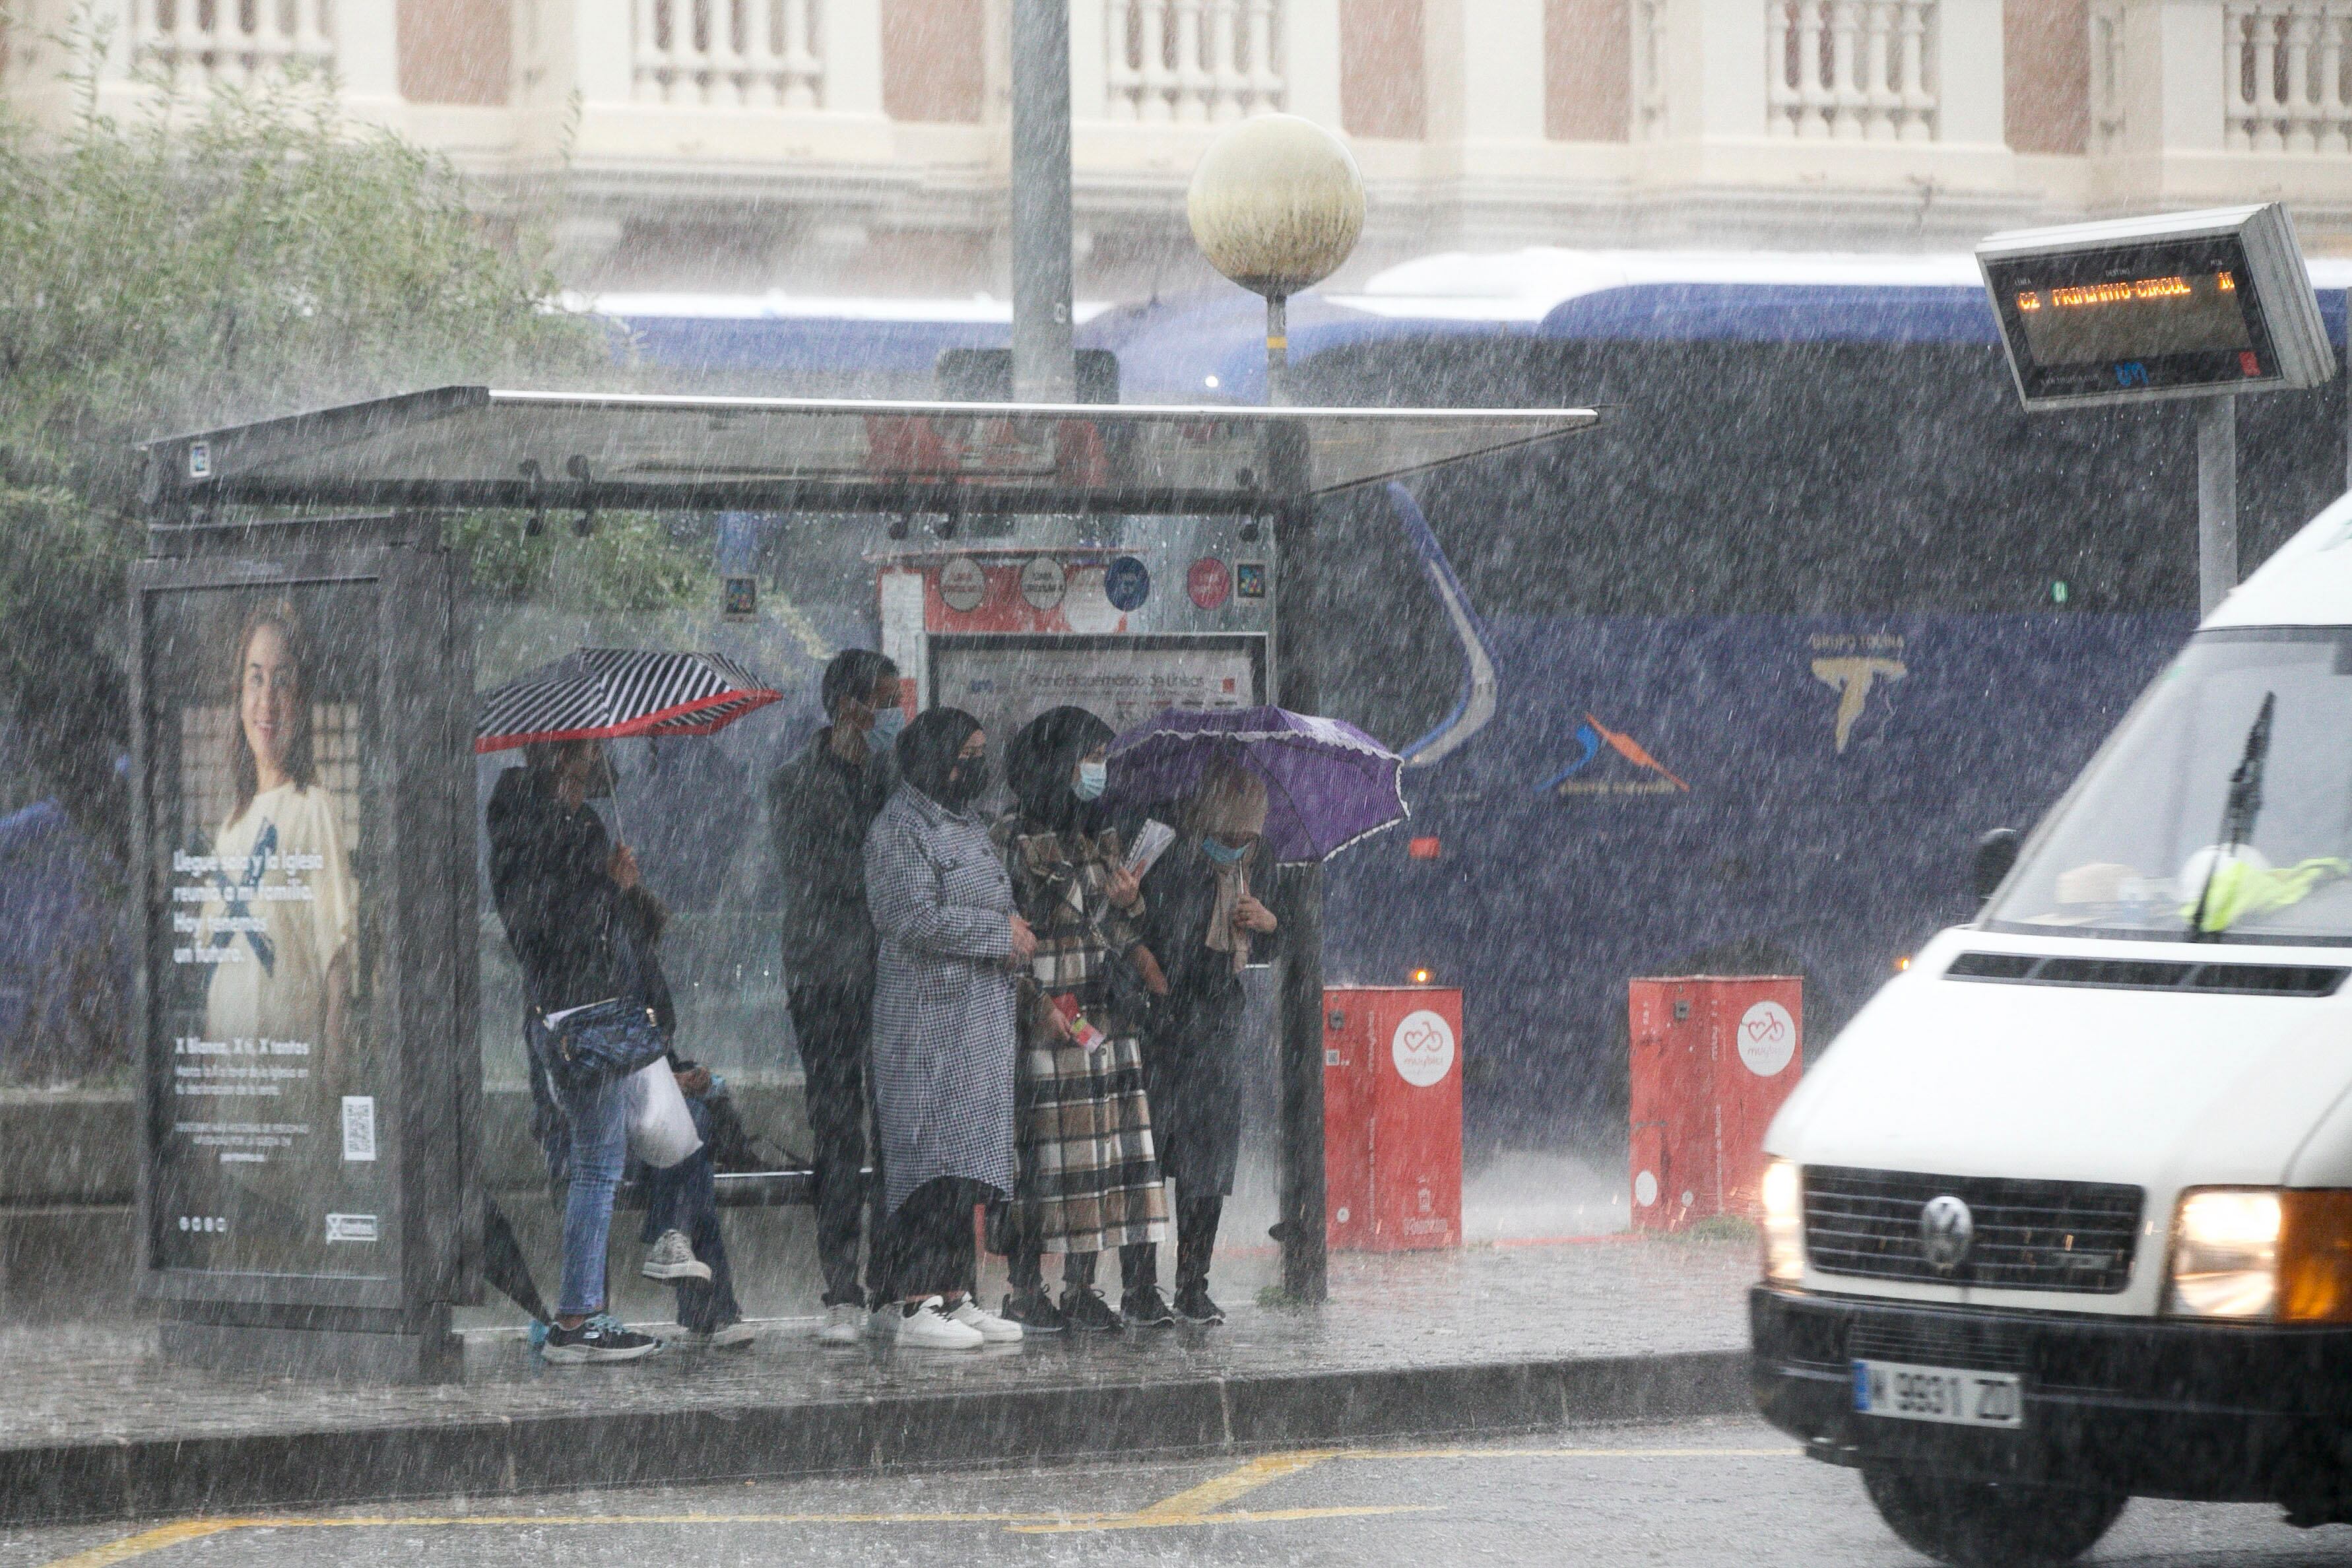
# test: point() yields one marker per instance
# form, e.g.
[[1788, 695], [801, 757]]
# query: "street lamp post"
[[1276, 204]]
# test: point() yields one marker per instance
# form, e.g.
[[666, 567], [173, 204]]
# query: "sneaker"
[[1084, 1308], [922, 1325], [1033, 1310], [726, 1336], [996, 1331], [1193, 1305], [844, 1321], [600, 1339], [673, 1258], [1146, 1308]]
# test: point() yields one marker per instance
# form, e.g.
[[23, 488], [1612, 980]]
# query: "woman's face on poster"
[[269, 686]]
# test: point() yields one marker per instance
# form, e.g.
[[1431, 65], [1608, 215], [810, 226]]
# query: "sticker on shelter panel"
[[1768, 1038], [1422, 1048]]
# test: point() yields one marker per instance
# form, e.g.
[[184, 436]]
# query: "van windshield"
[[2157, 841]]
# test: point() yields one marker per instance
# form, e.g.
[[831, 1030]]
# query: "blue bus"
[[1816, 606]]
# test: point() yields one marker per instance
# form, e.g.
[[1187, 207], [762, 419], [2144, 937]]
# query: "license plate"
[[1954, 1395]]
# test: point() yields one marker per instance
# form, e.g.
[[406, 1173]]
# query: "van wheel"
[[1989, 1524]]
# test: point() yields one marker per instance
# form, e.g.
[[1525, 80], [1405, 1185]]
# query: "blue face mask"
[[1222, 853], [887, 723], [1093, 779]]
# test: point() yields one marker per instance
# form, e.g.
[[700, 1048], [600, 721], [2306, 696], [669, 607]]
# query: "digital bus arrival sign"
[[2186, 305]]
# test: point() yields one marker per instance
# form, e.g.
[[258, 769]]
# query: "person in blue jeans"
[[560, 885]]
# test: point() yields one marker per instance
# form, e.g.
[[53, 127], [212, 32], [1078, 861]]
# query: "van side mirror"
[[1996, 853]]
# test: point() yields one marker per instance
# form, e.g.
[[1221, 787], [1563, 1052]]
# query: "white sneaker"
[[673, 1258], [844, 1321], [996, 1331], [928, 1328], [724, 1337]]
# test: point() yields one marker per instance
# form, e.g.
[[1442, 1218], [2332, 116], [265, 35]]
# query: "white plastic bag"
[[661, 1130]]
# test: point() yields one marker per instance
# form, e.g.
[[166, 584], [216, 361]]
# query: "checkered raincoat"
[[943, 999], [1088, 1168]]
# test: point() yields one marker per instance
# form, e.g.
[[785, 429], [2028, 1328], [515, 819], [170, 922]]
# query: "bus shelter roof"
[[478, 447]]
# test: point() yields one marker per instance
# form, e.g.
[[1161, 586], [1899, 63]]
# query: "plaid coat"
[[1088, 1167], [943, 998]]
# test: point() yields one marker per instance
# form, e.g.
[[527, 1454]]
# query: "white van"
[[2065, 1215]]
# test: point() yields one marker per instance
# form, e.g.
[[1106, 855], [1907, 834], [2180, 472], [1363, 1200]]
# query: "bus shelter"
[[311, 986]]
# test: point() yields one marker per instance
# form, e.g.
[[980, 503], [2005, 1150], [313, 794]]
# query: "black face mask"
[[966, 782]]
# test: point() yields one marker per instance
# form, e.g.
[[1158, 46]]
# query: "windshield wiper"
[[2238, 812]]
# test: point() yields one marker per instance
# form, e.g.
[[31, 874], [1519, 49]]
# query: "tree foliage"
[[203, 264]]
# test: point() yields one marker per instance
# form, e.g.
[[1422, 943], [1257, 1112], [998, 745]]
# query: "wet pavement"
[[1498, 1337], [1493, 1305], [1697, 1494]]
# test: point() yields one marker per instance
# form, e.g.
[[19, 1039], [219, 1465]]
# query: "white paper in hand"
[[1152, 840]]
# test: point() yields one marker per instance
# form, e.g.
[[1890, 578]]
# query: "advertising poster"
[[274, 1149], [1006, 682]]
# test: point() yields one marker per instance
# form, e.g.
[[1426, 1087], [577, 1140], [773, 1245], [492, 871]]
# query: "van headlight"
[[1784, 1223], [2262, 1254]]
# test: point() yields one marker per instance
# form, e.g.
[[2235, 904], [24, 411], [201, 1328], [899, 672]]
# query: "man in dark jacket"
[[820, 806]]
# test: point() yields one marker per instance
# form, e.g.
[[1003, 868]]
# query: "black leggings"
[[932, 1247]]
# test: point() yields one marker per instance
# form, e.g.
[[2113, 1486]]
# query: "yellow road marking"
[[1199, 1505], [146, 1541], [1567, 1454], [1148, 1521], [1233, 1484]]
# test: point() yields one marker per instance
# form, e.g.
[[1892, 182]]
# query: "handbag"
[[613, 1037]]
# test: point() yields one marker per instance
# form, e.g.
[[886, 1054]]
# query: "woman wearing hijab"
[[1207, 925], [944, 996], [1089, 1178]]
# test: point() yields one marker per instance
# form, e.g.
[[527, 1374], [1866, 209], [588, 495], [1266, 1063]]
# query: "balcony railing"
[[1193, 59], [200, 43], [2108, 105], [765, 54], [1852, 69], [2284, 76]]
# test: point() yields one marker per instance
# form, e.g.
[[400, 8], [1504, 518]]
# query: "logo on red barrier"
[[1208, 582], [1422, 1048], [1768, 1038]]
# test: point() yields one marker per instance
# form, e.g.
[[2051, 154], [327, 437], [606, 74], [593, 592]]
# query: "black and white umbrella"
[[614, 693]]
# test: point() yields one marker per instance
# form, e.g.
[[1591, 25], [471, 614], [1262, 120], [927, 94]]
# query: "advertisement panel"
[[273, 1152], [1006, 681]]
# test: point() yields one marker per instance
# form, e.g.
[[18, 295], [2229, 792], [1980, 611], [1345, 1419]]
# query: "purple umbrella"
[[1328, 783]]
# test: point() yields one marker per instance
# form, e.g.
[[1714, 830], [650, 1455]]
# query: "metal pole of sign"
[[2217, 501], [1043, 365], [1278, 352], [1299, 1008]]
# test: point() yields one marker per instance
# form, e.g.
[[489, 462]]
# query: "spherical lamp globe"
[[1276, 204]]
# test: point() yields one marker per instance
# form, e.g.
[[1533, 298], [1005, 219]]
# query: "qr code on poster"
[[359, 1127]]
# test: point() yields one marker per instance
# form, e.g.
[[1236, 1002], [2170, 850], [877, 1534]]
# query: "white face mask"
[[1093, 779]]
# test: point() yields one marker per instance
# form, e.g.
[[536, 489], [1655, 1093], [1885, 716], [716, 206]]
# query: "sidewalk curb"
[[495, 1456]]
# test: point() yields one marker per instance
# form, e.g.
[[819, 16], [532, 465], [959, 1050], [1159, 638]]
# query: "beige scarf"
[[1233, 887], [1230, 803]]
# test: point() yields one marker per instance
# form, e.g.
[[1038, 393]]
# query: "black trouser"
[[834, 1023], [931, 1245], [1196, 1242]]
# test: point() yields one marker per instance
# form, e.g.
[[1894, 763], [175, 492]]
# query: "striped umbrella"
[[612, 693]]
